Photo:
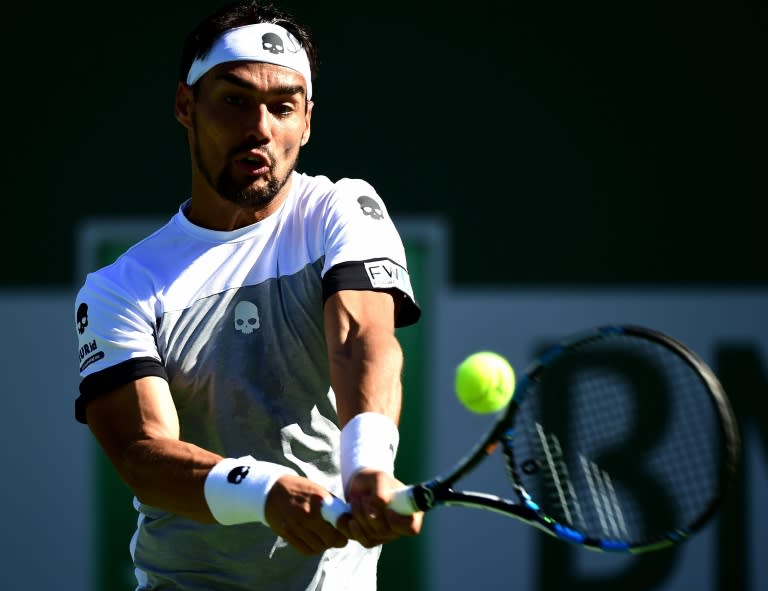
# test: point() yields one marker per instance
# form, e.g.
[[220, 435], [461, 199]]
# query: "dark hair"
[[239, 14]]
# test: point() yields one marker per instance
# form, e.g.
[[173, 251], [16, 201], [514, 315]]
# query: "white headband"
[[262, 42]]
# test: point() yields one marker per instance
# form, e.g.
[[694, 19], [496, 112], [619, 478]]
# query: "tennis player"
[[240, 366]]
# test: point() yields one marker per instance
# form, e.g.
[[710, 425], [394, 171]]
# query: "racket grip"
[[333, 508], [403, 502]]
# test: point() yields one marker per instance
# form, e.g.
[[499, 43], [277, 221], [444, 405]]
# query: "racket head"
[[619, 439]]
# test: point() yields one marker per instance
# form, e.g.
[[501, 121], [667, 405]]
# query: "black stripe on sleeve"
[[111, 378], [354, 275]]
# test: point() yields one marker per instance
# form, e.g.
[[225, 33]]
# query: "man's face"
[[246, 127]]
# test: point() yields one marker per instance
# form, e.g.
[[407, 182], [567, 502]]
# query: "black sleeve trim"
[[352, 275], [109, 379]]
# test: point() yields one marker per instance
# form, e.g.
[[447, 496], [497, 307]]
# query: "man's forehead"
[[259, 75]]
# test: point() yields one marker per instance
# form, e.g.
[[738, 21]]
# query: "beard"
[[243, 194], [246, 196]]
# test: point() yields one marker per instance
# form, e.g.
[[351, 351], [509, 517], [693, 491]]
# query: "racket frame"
[[438, 491]]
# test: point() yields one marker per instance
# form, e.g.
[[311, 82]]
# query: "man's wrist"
[[368, 440], [236, 489]]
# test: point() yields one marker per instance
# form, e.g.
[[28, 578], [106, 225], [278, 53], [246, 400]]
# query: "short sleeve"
[[363, 248], [116, 336]]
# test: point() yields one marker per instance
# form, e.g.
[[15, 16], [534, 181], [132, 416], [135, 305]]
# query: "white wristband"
[[368, 440], [236, 489]]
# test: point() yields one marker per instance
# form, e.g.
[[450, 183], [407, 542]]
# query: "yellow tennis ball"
[[485, 382]]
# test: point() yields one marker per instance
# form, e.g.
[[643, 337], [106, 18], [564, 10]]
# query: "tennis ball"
[[485, 382]]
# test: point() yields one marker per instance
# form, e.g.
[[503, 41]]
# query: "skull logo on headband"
[[272, 43]]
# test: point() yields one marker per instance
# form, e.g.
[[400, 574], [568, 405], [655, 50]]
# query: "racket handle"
[[333, 508], [403, 502]]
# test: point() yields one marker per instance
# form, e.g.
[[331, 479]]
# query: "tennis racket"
[[617, 439]]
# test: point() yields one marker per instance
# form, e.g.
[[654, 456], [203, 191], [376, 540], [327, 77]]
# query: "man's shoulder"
[[143, 258], [317, 187]]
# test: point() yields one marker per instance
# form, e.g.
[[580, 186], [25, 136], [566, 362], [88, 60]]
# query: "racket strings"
[[559, 485], [620, 440]]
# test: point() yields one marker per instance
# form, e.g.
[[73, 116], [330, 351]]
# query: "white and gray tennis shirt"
[[234, 322]]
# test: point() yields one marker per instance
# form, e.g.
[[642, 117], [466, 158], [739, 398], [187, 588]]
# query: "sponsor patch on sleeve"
[[385, 274]]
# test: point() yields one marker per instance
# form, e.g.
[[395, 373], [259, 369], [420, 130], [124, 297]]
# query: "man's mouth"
[[254, 164]]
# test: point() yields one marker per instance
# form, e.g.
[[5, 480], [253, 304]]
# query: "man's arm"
[[366, 365], [138, 427], [365, 357]]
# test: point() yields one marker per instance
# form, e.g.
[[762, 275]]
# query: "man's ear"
[[308, 119], [183, 106]]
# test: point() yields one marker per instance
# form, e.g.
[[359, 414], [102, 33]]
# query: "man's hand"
[[371, 523], [293, 511]]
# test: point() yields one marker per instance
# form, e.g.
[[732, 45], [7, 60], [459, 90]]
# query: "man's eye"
[[234, 100], [282, 110]]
